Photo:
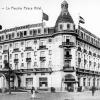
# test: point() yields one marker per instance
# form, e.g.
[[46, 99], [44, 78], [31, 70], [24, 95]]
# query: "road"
[[52, 96]]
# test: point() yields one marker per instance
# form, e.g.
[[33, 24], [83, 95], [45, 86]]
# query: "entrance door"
[[70, 87]]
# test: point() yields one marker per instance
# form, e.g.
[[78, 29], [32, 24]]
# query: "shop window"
[[29, 82], [43, 82]]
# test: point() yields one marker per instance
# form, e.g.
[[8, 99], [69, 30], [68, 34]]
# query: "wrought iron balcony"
[[28, 59], [15, 60], [42, 58], [16, 50], [68, 68], [28, 48], [5, 51], [67, 57], [42, 47], [43, 70], [67, 44]]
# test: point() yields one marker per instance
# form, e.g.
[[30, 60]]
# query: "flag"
[[45, 17], [81, 20]]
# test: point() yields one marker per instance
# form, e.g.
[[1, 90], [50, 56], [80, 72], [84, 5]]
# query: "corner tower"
[[64, 20]]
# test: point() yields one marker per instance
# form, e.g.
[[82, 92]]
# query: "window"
[[42, 64], [13, 35], [22, 64], [42, 53], [28, 65], [29, 82], [10, 44], [25, 33], [30, 32], [50, 63], [22, 43], [35, 41], [21, 34], [2, 37], [0, 57], [50, 52], [10, 56], [61, 27], [39, 31], [41, 43], [35, 64], [35, 53], [29, 55], [16, 65], [22, 55], [68, 26], [49, 40], [43, 82], [34, 32], [5, 47], [28, 43], [0, 47], [84, 80], [5, 57], [16, 45], [16, 56], [18, 34], [0, 66]]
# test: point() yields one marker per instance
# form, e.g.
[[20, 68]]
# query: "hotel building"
[[61, 56]]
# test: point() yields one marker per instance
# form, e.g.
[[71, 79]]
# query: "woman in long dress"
[[33, 92]]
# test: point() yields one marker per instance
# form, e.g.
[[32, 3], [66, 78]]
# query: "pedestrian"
[[93, 90], [33, 92]]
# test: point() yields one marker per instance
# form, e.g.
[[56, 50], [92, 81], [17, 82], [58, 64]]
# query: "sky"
[[22, 12]]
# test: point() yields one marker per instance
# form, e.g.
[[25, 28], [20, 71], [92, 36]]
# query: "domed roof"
[[64, 18]]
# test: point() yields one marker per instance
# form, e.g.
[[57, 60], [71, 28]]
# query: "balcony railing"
[[5, 51], [67, 57], [42, 70], [16, 50], [67, 44], [42, 47], [28, 59], [15, 60], [68, 68], [42, 58], [28, 48]]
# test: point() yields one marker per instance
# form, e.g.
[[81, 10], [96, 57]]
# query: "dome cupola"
[[64, 20]]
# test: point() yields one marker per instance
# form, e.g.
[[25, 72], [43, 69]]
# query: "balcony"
[[43, 70], [15, 60], [5, 61], [28, 59], [16, 50], [5, 51], [42, 58], [68, 57], [67, 44], [68, 68], [42, 47], [28, 48]]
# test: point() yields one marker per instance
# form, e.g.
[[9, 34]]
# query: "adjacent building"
[[61, 56]]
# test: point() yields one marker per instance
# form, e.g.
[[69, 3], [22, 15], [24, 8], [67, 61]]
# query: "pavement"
[[87, 95]]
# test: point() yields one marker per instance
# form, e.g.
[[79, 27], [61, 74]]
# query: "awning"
[[69, 78]]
